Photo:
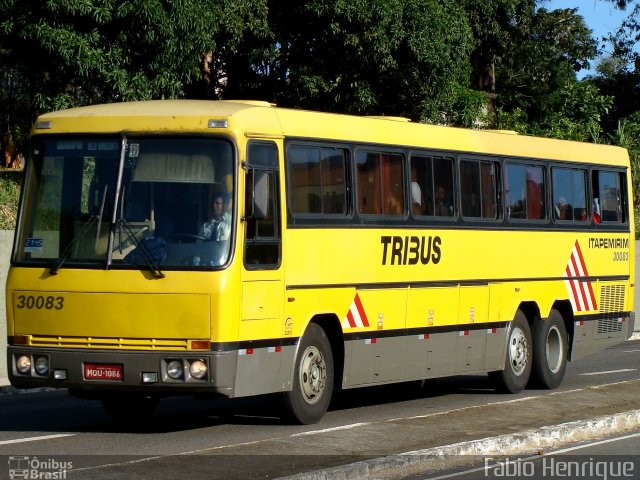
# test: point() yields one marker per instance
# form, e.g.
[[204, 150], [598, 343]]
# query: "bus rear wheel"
[[309, 398], [550, 349], [517, 366]]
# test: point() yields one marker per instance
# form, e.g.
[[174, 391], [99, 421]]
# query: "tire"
[[550, 351], [309, 398], [128, 408], [518, 355]]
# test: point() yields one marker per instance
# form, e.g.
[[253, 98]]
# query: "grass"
[[10, 181]]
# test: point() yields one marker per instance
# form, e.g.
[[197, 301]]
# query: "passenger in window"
[[443, 206], [394, 206], [583, 215], [596, 211], [219, 226], [417, 205], [563, 210]]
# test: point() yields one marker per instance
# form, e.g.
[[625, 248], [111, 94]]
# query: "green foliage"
[[627, 135], [63, 53], [10, 182], [581, 108], [545, 52], [580, 115], [393, 57]]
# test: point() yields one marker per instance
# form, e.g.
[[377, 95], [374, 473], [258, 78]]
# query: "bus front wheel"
[[517, 366], [550, 348], [309, 398]]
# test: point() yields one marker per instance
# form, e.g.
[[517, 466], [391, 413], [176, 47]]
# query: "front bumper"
[[134, 364]]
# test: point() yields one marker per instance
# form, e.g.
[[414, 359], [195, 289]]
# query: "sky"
[[601, 16]]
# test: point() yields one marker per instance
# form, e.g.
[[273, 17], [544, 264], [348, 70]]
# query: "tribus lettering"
[[410, 250]]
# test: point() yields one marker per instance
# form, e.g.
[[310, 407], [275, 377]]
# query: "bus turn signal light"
[[200, 345], [19, 340]]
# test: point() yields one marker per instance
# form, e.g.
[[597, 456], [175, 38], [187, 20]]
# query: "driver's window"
[[262, 246]]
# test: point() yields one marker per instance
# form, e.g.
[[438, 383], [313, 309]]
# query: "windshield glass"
[[173, 208]]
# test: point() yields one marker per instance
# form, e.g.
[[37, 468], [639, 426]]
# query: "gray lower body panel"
[[417, 356], [594, 333]]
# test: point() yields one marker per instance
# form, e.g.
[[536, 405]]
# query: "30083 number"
[[620, 256], [40, 302]]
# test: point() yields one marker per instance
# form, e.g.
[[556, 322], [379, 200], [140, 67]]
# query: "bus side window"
[[608, 192], [524, 192], [569, 194], [431, 186], [317, 180], [380, 183], [478, 186]]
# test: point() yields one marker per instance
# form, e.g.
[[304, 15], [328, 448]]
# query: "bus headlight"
[[23, 364], [42, 366], [175, 369], [198, 369]]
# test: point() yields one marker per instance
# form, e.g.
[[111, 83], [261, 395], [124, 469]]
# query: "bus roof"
[[256, 118]]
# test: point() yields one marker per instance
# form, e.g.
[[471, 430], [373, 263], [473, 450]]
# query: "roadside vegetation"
[[10, 181]]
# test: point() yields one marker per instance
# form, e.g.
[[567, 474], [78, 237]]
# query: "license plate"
[[95, 371]]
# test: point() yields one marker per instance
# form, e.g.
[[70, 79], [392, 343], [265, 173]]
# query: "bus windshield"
[[147, 202]]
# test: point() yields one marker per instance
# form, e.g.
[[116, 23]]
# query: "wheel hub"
[[518, 351], [313, 374]]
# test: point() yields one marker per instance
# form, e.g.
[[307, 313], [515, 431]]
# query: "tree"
[[65, 53], [392, 57], [542, 63], [618, 74], [494, 24]]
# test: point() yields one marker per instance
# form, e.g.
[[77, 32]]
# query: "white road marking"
[[444, 412], [631, 351], [35, 439], [609, 371], [334, 429], [592, 444], [566, 391]]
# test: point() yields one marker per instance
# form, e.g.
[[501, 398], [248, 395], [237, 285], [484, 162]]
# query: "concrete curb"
[[533, 441]]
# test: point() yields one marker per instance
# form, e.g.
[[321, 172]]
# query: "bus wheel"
[[517, 365], [549, 351], [129, 408], [309, 398]]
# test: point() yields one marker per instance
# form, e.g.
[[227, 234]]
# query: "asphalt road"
[[244, 438]]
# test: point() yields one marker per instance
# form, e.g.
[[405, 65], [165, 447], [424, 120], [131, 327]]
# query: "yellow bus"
[[237, 248]]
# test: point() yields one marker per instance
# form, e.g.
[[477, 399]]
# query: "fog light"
[[42, 366], [60, 374], [198, 369], [149, 377], [23, 364], [175, 369]]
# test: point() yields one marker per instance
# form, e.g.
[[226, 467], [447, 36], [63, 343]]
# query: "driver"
[[218, 227]]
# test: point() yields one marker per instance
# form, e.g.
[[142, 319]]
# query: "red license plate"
[[96, 371]]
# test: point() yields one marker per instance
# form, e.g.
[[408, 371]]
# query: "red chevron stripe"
[[361, 311]]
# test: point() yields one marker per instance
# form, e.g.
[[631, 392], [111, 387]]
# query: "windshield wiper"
[[65, 254], [141, 246]]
